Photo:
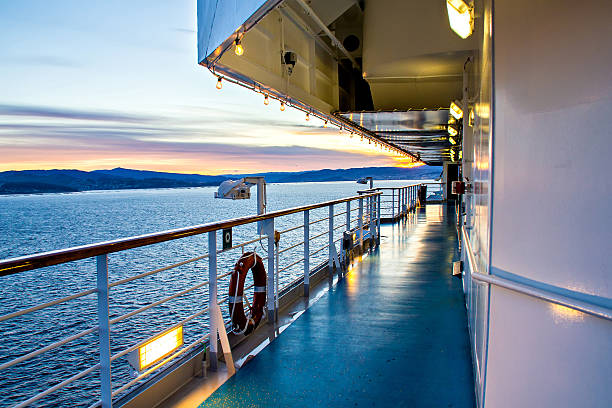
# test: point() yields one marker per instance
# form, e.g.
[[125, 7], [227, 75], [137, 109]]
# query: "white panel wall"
[[551, 203]]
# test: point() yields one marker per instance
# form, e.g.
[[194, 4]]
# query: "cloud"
[[42, 61], [37, 137], [46, 112]]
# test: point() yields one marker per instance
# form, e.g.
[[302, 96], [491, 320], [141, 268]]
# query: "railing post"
[[269, 231], [405, 200], [360, 224], [378, 198], [392, 204], [104, 330], [331, 238], [373, 230], [212, 299], [307, 253], [348, 216], [347, 227]]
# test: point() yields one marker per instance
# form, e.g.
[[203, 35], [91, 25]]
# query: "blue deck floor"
[[393, 333]]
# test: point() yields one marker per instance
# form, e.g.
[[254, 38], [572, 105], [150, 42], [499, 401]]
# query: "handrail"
[[26, 263], [530, 290]]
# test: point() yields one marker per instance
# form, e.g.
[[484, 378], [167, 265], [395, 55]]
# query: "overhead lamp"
[[325, 124], [282, 107], [239, 50], [471, 117], [455, 110], [460, 17], [219, 83], [307, 116], [452, 131], [452, 141], [266, 99]]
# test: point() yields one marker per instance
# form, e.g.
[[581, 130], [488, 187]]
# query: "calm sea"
[[38, 223]]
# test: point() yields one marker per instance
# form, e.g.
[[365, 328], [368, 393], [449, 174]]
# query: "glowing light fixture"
[[456, 110], [266, 100], [219, 83], [325, 124], [471, 117], [282, 107], [307, 116], [460, 17], [239, 50], [159, 347], [453, 141], [452, 131]]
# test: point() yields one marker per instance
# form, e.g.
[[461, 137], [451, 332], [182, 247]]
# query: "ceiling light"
[[266, 99], [239, 50], [455, 110], [282, 107], [460, 17], [219, 83]]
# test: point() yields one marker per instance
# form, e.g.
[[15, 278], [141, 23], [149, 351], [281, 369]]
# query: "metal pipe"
[[310, 12], [529, 290]]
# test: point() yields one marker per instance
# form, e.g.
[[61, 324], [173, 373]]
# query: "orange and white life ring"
[[240, 323]]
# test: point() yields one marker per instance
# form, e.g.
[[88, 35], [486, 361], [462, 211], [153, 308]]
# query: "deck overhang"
[[336, 59]]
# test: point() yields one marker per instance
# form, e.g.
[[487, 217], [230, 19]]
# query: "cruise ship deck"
[[393, 332]]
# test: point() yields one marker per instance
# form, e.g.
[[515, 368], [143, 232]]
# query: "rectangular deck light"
[[460, 17], [159, 347]]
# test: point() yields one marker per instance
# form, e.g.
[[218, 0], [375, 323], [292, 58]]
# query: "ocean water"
[[37, 223]]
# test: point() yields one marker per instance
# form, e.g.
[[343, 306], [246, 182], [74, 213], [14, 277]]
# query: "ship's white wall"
[[551, 195]]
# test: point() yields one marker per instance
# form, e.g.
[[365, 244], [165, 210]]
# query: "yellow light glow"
[[453, 141], [452, 131], [308, 116], [460, 17], [456, 110], [160, 347], [407, 162], [266, 100], [460, 154], [219, 83], [239, 50], [471, 118], [325, 124], [282, 107]]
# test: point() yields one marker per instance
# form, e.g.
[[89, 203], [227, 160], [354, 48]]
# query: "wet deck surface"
[[392, 333]]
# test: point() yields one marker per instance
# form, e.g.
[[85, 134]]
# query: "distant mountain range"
[[58, 181]]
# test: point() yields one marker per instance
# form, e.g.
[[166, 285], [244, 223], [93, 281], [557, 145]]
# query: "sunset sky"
[[93, 85]]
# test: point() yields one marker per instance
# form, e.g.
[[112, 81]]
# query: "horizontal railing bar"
[[140, 343], [160, 364], [319, 220], [339, 226], [319, 250], [291, 247], [290, 229], [57, 386], [261, 238], [157, 303], [49, 347], [225, 274], [35, 261], [165, 268], [529, 290], [45, 305], [290, 265], [339, 214], [317, 236]]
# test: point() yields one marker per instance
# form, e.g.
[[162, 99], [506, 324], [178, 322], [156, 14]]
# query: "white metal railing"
[[284, 259]]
